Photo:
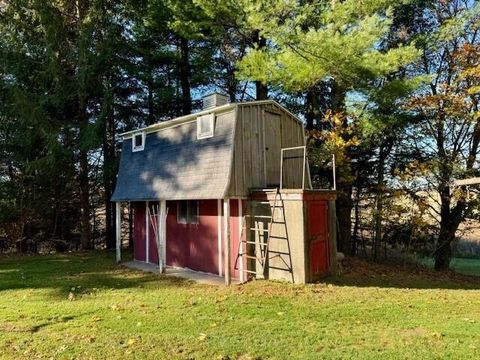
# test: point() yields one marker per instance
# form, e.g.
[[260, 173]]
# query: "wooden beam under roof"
[[470, 181]]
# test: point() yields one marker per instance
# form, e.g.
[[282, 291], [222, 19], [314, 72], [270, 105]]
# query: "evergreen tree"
[[331, 44]]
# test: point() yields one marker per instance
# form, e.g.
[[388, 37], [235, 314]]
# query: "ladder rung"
[[250, 257], [259, 216], [278, 252], [262, 202], [254, 243], [262, 230], [251, 272], [278, 237], [279, 268]]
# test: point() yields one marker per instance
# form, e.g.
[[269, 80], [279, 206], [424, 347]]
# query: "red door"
[[203, 240], [318, 234], [177, 241]]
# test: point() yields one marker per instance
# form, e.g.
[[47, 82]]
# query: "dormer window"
[[205, 126], [138, 141]]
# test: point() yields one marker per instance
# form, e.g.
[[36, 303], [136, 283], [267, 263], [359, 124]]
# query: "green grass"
[[466, 266], [460, 265], [371, 312]]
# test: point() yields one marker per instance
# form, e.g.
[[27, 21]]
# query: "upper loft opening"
[[205, 126], [138, 141]]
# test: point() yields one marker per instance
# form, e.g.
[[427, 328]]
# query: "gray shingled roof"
[[176, 166]]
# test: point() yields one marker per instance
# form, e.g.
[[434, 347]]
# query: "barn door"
[[318, 236], [273, 145]]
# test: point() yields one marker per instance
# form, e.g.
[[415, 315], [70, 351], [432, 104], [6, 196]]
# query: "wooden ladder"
[[261, 254]]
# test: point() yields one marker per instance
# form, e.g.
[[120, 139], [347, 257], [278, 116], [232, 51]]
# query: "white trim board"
[[147, 233], [193, 117], [219, 236], [470, 181]]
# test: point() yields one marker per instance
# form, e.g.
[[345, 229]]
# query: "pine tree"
[[332, 43]]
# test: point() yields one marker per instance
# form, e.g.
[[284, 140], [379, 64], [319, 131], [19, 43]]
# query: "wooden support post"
[[240, 228], [118, 230], [147, 232], [162, 232], [226, 222], [219, 239]]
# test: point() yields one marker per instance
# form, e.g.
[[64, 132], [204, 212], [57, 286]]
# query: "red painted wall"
[[139, 230], [177, 244], [194, 246]]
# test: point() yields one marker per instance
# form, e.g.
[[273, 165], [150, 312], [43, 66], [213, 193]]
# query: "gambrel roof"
[[175, 165]]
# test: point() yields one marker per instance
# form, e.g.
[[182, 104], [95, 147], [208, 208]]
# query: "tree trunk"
[[109, 167], [261, 89], [450, 220], [344, 185], [184, 76], [149, 83], [310, 109], [443, 252], [344, 212], [84, 201], [379, 203], [84, 185], [356, 224], [130, 225]]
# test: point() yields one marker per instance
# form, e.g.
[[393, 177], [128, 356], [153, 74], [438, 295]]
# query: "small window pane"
[[138, 140], [182, 210], [205, 126], [193, 212]]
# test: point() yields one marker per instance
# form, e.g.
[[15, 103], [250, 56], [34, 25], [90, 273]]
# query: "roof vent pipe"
[[213, 100]]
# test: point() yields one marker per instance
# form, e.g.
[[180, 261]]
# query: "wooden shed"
[[192, 183]]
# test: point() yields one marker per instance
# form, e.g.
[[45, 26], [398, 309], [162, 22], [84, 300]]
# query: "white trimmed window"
[[187, 212], [138, 141], [205, 126]]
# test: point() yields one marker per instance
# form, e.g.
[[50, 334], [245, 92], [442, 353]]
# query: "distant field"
[[460, 265], [84, 306]]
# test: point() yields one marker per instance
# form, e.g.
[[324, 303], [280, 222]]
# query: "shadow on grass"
[[361, 273], [85, 272], [35, 328], [80, 273]]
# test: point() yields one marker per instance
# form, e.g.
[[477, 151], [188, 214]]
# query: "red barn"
[[227, 191]]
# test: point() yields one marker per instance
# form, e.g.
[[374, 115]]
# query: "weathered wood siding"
[[261, 131]]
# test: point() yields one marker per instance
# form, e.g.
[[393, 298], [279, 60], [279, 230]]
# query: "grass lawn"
[[461, 265], [466, 266], [84, 306]]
